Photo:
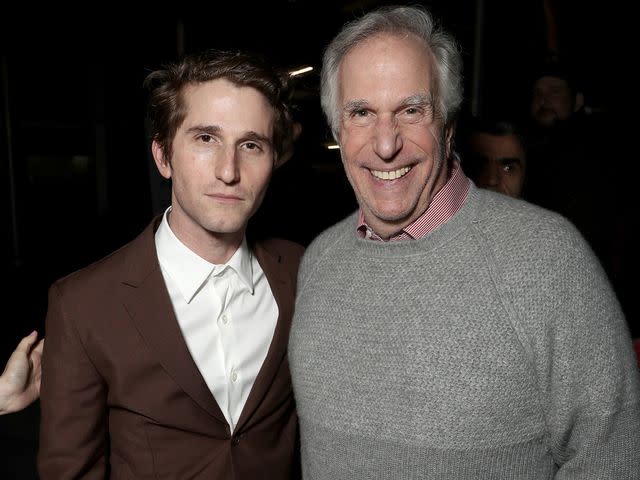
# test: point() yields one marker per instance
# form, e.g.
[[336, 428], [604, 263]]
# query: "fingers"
[[35, 376], [27, 342], [20, 381], [36, 355], [38, 348]]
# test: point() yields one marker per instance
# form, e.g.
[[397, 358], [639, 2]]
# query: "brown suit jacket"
[[122, 398]]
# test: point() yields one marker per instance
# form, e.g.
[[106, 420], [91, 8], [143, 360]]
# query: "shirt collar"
[[443, 206], [189, 271]]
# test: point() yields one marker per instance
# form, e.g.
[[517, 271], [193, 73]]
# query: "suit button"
[[235, 441]]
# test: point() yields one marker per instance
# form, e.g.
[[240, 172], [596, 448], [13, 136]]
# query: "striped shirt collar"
[[444, 205]]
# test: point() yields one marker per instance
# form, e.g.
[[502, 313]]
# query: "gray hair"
[[396, 21]]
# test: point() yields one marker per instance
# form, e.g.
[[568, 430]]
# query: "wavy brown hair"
[[167, 109]]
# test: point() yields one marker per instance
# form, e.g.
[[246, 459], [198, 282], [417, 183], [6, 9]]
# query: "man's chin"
[[548, 119]]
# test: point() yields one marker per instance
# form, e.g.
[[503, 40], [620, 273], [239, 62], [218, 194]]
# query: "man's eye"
[[509, 165], [205, 138], [412, 113], [251, 146], [361, 117], [415, 113]]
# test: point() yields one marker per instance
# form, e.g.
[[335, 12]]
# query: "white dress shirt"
[[227, 315]]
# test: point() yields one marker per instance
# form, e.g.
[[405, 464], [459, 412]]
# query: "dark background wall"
[[77, 178]]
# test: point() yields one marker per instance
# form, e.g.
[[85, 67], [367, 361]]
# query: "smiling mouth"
[[390, 175]]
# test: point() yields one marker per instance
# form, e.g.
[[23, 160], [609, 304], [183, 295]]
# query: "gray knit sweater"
[[493, 348]]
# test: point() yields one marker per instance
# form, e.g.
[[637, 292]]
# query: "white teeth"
[[392, 175]]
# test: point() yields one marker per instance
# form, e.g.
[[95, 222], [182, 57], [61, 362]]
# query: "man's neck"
[[214, 247]]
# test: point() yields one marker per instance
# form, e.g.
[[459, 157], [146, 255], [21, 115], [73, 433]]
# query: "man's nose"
[[387, 139], [227, 168]]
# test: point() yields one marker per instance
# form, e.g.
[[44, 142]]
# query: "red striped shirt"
[[444, 205]]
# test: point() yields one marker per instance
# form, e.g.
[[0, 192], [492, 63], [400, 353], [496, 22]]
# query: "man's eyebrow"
[[504, 160], [355, 105], [419, 99], [256, 137], [216, 130], [209, 129]]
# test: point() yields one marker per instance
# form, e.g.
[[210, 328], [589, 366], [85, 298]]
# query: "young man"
[[445, 331], [167, 359]]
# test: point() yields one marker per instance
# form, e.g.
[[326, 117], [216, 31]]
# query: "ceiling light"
[[300, 71]]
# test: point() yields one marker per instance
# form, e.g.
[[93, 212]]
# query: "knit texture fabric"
[[493, 348]]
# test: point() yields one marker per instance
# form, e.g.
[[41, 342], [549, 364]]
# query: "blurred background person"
[[566, 147], [494, 155], [573, 168], [555, 97]]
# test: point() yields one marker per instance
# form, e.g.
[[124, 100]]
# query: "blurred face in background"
[[497, 163], [553, 101]]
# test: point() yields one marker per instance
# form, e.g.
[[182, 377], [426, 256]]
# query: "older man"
[[444, 331]]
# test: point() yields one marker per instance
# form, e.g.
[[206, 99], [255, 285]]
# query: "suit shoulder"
[[285, 251], [94, 273], [132, 260]]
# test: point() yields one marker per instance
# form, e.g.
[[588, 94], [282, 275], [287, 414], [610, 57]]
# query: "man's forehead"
[[551, 81]]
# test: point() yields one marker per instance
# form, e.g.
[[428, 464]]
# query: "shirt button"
[[234, 376], [225, 319]]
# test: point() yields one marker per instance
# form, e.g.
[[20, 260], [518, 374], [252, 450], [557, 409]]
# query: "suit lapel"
[[151, 310], [283, 292]]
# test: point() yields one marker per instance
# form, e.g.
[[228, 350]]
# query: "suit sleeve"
[[73, 428]]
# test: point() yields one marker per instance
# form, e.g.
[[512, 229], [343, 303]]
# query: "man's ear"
[[163, 165], [579, 101], [448, 138]]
